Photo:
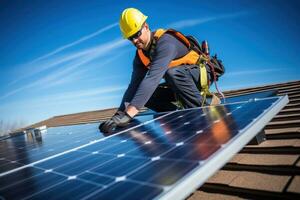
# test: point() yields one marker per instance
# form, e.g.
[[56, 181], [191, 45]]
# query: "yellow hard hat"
[[131, 21]]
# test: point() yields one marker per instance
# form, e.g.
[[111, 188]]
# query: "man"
[[161, 54]]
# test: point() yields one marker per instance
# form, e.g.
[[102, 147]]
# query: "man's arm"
[[122, 118], [132, 111], [138, 73], [164, 54]]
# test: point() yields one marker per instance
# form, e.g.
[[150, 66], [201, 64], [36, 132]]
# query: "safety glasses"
[[136, 35]]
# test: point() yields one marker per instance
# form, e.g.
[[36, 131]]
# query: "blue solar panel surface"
[[25, 149], [246, 97], [144, 162]]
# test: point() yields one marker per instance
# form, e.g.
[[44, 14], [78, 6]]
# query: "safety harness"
[[193, 57]]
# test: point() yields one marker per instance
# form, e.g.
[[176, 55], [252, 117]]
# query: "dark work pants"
[[181, 82]]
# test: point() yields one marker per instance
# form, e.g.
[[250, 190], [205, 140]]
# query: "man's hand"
[[120, 119]]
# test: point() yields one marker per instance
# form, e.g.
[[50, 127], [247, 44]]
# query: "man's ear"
[[146, 26]]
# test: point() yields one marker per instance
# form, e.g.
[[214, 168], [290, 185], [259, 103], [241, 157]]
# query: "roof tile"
[[260, 181], [267, 159], [297, 144], [223, 177], [199, 195], [295, 185], [277, 143]]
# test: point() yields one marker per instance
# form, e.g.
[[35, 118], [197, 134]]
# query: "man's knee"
[[162, 99], [174, 73]]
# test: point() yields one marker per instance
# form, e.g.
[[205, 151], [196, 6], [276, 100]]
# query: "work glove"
[[120, 119]]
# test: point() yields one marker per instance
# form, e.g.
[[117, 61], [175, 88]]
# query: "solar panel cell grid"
[[146, 161]]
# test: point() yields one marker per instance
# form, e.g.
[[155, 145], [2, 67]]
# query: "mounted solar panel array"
[[161, 157], [34, 146]]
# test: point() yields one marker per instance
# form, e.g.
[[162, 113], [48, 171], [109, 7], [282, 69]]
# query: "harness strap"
[[206, 60], [204, 84], [193, 57]]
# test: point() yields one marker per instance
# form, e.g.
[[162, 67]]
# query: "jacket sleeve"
[[138, 73], [165, 52]]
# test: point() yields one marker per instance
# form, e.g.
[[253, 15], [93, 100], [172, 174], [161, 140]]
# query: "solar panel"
[[160, 157], [253, 95], [34, 146], [31, 147]]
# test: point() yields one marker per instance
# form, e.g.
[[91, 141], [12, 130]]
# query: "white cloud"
[[78, 95], [41, 63], [256, 71], [84, 38], [197, 21], [69, 64], [71, 77], [56, 62], [83, 93]]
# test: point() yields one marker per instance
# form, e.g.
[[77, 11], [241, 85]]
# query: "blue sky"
[[60, 57]]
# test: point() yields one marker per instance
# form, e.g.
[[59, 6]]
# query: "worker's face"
[[142, 38]]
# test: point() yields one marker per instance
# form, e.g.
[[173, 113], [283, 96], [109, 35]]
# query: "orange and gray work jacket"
[[150, 67]]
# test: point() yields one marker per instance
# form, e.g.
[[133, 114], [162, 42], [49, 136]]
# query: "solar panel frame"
[[194, 179]]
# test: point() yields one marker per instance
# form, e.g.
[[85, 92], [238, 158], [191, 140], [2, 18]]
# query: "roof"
[[268, 170], [76, 118]]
